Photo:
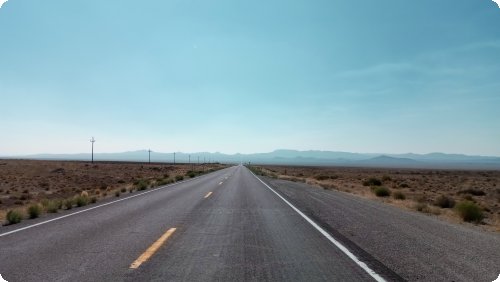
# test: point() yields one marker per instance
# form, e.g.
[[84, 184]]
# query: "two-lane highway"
[[245, 232], [225, 226]]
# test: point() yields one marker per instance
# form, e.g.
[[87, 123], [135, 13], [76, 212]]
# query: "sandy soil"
[[420, 187], [26, 182]]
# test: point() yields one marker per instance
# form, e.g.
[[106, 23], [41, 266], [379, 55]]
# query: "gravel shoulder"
[[413, 245]]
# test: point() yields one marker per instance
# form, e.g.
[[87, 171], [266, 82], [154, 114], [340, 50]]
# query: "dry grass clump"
[[425, 208], [14, 217], [321, 177], [164, 181], [81, 200], [34, 211], [68, 203], [142, 185], [381, 191], [51, 206], [372, 182], [444, 202], [470, 212]]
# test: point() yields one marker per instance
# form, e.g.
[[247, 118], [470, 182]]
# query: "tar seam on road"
[[152, 249], [363, 265], [208, 195], [92, 208]]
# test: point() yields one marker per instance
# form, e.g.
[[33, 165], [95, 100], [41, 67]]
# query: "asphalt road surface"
[[231, 226]]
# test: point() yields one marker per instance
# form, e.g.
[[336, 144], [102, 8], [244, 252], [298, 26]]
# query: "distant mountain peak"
[[386, 158]]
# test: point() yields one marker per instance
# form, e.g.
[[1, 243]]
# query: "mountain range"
[[294, 157]]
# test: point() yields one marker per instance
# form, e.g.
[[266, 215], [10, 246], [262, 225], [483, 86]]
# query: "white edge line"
[[99, 206], [363, 265]]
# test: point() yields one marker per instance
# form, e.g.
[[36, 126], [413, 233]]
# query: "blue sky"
[[385, 76]]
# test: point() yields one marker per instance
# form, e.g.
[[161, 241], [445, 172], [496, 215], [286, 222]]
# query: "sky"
[[386, 76]]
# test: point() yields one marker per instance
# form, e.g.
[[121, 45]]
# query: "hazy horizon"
[[238, 153], [388, 77]]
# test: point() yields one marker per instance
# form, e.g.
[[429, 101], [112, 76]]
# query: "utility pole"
[[149, 151], [92, 141]]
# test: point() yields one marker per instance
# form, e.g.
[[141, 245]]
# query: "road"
[[225, 226], [416, 246]]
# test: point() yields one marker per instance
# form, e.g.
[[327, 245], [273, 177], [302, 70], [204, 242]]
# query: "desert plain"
[[24, 183], [435, 192]]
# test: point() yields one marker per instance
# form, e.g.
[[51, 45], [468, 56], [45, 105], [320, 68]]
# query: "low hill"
[[293, 157]]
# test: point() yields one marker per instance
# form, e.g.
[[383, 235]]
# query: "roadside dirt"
[[27, 182], [421, 188]]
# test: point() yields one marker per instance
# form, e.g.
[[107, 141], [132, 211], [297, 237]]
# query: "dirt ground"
[[421, 187], [27, 182]]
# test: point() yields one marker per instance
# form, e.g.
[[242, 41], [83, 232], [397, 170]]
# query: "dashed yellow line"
[[152, 249], [208, 195]]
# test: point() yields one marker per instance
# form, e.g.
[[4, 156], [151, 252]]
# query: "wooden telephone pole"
[[92, 141]]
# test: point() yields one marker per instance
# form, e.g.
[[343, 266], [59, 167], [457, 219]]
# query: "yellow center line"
[[152, 249], [208, 195]]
